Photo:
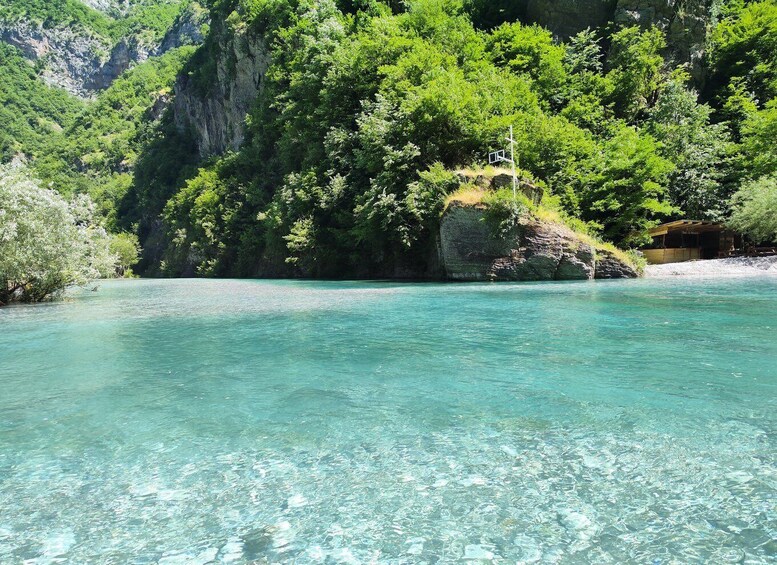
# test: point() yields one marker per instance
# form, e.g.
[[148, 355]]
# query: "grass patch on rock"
[[504, 208]]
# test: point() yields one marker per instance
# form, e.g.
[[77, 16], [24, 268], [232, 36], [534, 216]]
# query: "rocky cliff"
[[567, 17], [71, 59], [84, 62], [686, 23], [532, 251], [216, 111]]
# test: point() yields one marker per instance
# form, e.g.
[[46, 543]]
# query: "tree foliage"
[[31, 113], [368, 107], [46, 243], [364, 110], [755, 209]]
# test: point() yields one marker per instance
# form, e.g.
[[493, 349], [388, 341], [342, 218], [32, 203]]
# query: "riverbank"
[[731, 267]]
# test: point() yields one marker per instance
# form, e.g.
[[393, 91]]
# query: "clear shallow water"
[[227, 421]]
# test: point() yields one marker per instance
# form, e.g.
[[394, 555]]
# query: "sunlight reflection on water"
[[248, 421]]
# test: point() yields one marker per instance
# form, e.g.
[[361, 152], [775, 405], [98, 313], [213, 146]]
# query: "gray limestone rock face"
[[72, 58], [686, 23], [467, 247], [217, 115], [536, 251], [125, 54], [610, 267], [543, 252], [565, 18], [187, 29]]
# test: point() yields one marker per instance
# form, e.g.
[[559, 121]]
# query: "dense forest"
[[321, 138]]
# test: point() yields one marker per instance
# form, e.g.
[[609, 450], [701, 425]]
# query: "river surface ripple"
[[270, 422]]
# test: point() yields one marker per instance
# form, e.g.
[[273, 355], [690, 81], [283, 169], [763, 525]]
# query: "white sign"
[[496, 157]]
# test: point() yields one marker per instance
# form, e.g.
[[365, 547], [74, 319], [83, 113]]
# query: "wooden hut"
[[690, 240]]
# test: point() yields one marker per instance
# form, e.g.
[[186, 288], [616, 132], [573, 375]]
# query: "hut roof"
[[687, 226]]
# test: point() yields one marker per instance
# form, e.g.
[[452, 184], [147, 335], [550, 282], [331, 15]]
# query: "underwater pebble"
[[477, 552], [296, 501], [232, 550]]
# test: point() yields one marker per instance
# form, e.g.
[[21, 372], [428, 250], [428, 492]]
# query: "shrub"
[[755, 209], [46, 243]]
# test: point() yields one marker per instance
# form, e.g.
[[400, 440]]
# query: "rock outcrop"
[[72, 59], [532, 251], [568, 17], [608, 266], [686, 24], [216, 112]]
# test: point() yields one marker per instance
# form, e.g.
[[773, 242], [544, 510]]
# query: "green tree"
[[759, 141], [700, 150], [624, 191], [531, 50], [743, 47], [46, 243], [636, 66], [126, 248], [755, 209]]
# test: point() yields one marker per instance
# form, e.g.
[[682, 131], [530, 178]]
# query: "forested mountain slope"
[[321, 138], [89, 145], [362, 110], [83, 49]]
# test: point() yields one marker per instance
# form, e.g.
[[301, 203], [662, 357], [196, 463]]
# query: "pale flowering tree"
[[46, 243]]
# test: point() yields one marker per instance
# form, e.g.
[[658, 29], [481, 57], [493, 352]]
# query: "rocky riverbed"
[[731, 267]]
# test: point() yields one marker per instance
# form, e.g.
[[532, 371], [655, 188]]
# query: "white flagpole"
[[512, 160]]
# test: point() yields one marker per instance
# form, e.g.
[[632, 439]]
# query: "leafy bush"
[[743, 50], [701, 151], [31, 113], [759, 141], [46, 243], [636, 63], [624, 191], [126, 248], [503, 211], [755, 209]]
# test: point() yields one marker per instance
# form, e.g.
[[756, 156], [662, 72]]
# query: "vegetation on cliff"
[[364, 110], [503, 212], [144, 19], [368, 107], [32, 115], [83, 147]]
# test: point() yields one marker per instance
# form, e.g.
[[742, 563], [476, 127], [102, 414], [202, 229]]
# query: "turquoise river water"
[[300, 422]]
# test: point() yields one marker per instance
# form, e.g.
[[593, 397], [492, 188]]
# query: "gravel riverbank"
[[732, 267]]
